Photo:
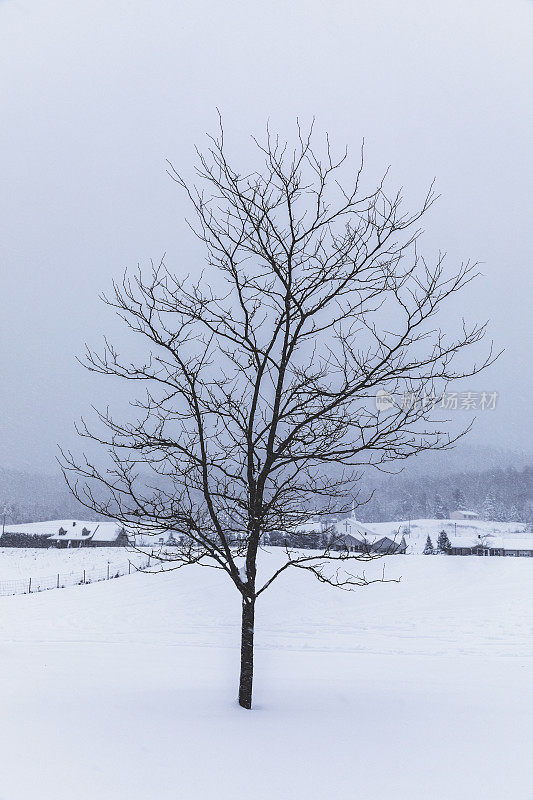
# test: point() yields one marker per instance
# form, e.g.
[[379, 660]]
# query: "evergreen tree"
[[423, 506], [443, 543], [489, 507], [441, 512], [502, 512], [514, 514], [404, 509], [428, 549], [459, 498]]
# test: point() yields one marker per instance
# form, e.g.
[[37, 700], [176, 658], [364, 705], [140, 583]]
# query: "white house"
[[71, 533], [76, 533], [464, 515]]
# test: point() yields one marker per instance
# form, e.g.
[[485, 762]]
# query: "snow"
[[409, 690], [21, 562]]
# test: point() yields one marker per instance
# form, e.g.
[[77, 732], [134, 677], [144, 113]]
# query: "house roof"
[[356, 530], [99, 531], [491, 541], [352, 527]]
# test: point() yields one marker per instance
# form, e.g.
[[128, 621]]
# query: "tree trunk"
[[247, 653]]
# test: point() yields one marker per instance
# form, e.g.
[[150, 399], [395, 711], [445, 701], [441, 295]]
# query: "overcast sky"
[[96, 95]]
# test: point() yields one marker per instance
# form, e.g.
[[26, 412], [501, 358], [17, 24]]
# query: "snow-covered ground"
[[410, 690], [22, 562], [26, 570]]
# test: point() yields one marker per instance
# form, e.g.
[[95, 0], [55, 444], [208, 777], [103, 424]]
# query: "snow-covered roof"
[[509, 542], [352, 527], [100, 531]]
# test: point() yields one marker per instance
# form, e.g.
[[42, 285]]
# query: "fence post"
[[29, 587], [108, 570], [58, 580], [129, 567], [148, 560], [83, 576]]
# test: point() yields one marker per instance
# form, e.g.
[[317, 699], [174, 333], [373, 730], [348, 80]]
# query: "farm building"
[[89, 534], [64, 533], [489, 545]]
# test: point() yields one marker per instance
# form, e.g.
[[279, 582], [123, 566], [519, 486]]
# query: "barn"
[[64, 533], [89, 534]]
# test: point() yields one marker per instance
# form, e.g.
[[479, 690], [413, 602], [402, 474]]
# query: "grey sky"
[[95, 95]]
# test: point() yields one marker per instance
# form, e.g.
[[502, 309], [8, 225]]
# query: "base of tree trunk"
[[247, 654]]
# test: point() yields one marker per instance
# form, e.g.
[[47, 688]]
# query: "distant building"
[[348, 534], [464, 515], [359, 539], [89, 534], [376, 544], [64, 533], [490, 545]]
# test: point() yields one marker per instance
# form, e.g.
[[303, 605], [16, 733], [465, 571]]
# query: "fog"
[[95, 96]]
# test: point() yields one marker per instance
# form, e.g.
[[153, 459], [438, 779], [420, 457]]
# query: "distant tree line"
[[503, 495], [25, 497]]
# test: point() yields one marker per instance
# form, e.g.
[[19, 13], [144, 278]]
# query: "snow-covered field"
[[21, 562], [399, 691], [24, 570]]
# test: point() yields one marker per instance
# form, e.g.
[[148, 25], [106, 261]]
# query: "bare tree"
[[261, 376]]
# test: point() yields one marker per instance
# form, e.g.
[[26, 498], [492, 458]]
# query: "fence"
[[63, 579]]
